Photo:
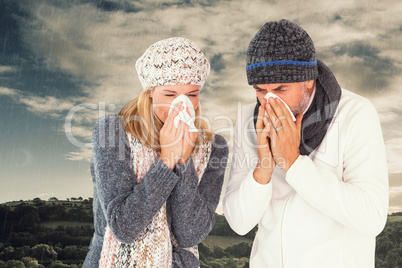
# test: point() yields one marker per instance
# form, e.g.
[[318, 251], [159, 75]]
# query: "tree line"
[[26, 241]]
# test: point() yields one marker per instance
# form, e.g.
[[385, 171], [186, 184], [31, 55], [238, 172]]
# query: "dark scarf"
[[321, 111]]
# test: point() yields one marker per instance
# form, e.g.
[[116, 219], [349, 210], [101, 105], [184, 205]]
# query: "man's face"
[[296, 95]]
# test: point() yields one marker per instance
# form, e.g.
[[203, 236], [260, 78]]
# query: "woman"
[[156, 182]]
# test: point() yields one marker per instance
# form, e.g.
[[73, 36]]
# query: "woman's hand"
[[171, 138], [266, 164], [188, 143]]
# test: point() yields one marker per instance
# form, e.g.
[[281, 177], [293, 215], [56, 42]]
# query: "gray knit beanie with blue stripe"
[[281, 52]]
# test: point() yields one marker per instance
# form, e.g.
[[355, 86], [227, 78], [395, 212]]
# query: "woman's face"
[[162, 97]]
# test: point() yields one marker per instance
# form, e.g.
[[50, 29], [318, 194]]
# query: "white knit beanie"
[[173, 61]]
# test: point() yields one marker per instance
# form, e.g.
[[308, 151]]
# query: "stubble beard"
[[303, 102]]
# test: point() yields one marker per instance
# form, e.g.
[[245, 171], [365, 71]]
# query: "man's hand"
[[285, 134], [263, 171]]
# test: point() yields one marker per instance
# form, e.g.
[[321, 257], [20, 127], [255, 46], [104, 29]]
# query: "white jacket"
[[328, 208]]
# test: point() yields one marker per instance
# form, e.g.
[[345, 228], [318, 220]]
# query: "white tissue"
[[183, 115], [269, 94]]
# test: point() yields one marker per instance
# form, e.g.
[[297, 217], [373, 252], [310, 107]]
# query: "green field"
[[55, 224], [392, 219], [68, 204], [211, 240], [224, 241], [30, 231]]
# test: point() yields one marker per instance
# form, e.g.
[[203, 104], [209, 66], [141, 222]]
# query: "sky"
[[63, 64]]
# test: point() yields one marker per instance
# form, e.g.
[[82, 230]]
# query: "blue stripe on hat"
[[283, 62]]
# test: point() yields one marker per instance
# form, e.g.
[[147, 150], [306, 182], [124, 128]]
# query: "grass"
[[55, 224], [224, 241], [211, 240], [393, 219]]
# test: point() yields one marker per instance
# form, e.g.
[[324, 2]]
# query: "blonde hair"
[[139, 119]]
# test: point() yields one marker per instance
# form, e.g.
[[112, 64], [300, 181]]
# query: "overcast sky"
[[57, 57]]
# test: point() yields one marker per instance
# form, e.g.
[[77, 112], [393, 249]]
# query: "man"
[[318, 188]]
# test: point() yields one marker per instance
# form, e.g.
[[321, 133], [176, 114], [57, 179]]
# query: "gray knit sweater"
[[127, 207]]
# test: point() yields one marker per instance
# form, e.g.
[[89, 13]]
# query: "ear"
[[310, 84]]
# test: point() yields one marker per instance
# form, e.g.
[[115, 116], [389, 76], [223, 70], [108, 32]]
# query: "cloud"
[[137, 6], [393, 149], [113, 6], [97, 42], [8, 91], [6, 69], [81, 155], [361, 46], [382, 101], [47, 106], [395, 192], [81, 132], [80, 123], [102, 46], [388, 116], [368, 53], [375, 71], [217, 63]]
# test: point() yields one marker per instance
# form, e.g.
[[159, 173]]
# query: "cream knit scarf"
[[154, 246]]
